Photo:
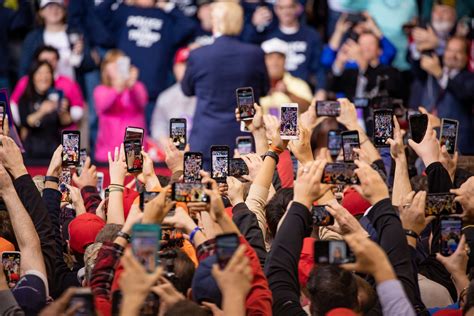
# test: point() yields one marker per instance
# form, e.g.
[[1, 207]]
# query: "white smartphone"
[[123, 67], [100, 184], [289, 121]]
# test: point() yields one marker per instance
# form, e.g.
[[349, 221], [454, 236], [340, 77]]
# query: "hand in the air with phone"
[[428, 149], [412, 212], [117, 166], [308, 187], [372, 187]]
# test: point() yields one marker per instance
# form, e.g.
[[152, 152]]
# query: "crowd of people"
[[398, 220]]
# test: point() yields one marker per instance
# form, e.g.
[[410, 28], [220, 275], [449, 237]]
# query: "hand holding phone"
[[192, 167], [340, 173], [332, 252], [328, 108], [189, 192], [350, 140], [146, 244], [64, 180], [449, 135], [321, 217], [220, 163], [289, 121], [71, 141], [334, 142], [133, 155], [383, 127], [178, 132], [11, 261], [245, 102], [226, 245], [418, 125], [451, 229]]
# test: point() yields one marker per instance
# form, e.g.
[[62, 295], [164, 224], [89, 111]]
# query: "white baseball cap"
[[44, 3], [275, 45]]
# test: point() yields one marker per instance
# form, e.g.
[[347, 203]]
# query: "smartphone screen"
[[71, 141], [238, 168], [2, 116], [146, 244], [350, 140], [82, 160], [440, 204], [123, 67], [340, 173], [450, 234], [245, 101], [189, 192], [361, 102], [289, 121], [134, 159], [383, 127], [328, 108], [220, 163], [321, 217], [332, 252], [449, 134], [134, 133], [244, 144], [418, 125], [226, 245], [64, 179], [192, 166], [11, 261], [83, 296], [334, 142], [146, 197], [178, 132], [100, 183]]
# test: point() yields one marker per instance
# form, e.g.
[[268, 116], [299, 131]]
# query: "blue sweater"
[[150, 37]]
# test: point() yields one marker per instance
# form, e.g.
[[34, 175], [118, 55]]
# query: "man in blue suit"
[[214, 72]]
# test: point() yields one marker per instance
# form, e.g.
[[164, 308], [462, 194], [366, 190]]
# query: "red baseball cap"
[[181, 55], [354, 202], [82, 231]]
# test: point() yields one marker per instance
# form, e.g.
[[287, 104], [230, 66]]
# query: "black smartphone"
[[85, 299], [146, 244], [245, 101], [355, 18], [361, 102], [226, 245], [65, 178], [71, 141], [192, 167], [332, 252], [189, 192], [451, 229], [145, 197], [133, 133], [178, 132], [321, 217], [220, 163], [244, 144], [350, 140], [11, 261], [238, 168], [383, 127], [82, 160], [3, 113], [340, 173], [418, 125], [133, 155], [334, 142], [328, 108], [449, 135], [440, 204]]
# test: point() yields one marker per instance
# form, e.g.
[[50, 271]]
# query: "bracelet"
[[411, 234], [115, 190], [51, 179], [195, 230], [124, 235], [273, 155], [116, 185], [276, 149]]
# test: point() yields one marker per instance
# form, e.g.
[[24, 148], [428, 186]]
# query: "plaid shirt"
[[206, 249], [103, 273], [91, 198]]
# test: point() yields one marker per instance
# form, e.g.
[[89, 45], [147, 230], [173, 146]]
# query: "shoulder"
[[34, 35], [310, 33]]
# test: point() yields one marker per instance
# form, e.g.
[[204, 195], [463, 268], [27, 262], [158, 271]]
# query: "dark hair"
[[45, 48], [319, 136], [6, 228], [108, 233], [469, 300], [419, 183], [184, 271], [186, 307], [366, 295], [276, 207], [30, 92], [331, 287]]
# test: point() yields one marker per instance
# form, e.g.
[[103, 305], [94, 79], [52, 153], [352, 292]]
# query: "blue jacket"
[[150, 37], [213, 73]]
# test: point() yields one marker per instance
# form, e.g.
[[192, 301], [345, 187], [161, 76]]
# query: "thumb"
[[441, 258], [349, 266], [412, 144]]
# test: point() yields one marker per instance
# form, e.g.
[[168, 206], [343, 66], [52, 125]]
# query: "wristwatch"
[[411, 233], [272, 154], [124, 235]]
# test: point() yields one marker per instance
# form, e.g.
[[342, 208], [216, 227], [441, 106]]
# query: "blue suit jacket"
[[212, 75]]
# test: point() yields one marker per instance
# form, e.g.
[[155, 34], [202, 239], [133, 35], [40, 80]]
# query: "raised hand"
[[397, 148], [428, 148], [308, 187], [235, 191], [174, 157], [117, 166], [88, 175], [412, 212], [156, 210], [372, 187], [11, 158]]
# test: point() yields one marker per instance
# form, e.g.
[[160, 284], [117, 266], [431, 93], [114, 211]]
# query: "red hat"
[[341, 311], [181, 55], [354, 202], [129, 197], [82, 231]]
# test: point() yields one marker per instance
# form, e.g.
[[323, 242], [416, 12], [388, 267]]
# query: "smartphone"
[[11, 261], [133, 154], [123, 67], [440, 204], [71, 141], [3, 112], [245, 101], [244, 144], [350, 140], [55, 95], [220, 163], [361, 102], [332, 252], [238, 168], [383, 127], [334, 142], [289, 121], [146, 244], [226, 245], [178, 132], [328, 108], [134, 133], [418, 125], [321, 217], [449, 135], [83, 296], [192, 167], [189, 192], [100, 183], [146, 197], [82, 160], [355, 18], [451, 228], [64, 179], [340, 173]]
